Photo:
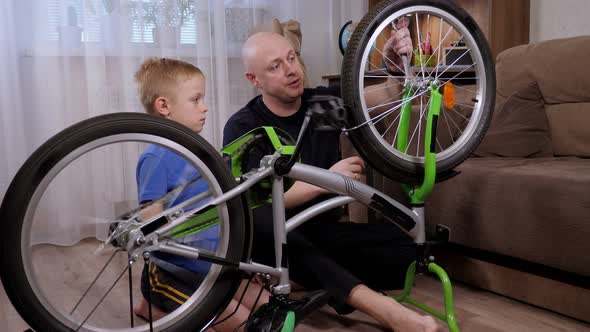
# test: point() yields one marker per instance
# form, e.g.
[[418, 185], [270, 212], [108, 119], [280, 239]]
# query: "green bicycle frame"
[[234, 151], [417, 195]]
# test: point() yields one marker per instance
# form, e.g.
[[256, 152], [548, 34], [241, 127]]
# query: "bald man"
[[344, 258]]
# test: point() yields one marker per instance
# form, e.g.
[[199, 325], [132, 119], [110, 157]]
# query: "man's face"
[[188, 106], [278, 72]]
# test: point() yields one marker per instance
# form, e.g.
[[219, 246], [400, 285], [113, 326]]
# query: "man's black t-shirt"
[[319, 148]]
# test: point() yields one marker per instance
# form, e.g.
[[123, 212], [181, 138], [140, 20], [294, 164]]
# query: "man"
[[323, 250]]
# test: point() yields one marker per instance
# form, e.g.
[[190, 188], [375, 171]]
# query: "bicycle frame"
[[409, 220]]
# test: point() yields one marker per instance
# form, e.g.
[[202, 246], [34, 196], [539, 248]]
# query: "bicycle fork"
[[424, 262]]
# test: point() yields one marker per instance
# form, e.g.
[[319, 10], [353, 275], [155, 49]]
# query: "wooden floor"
[[476, 310]]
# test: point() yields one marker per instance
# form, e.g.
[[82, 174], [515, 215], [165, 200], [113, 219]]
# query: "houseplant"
[[112, 25], [70, 34], [165, 17]]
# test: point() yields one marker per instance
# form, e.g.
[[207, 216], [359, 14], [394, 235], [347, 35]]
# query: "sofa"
[[519, 210]]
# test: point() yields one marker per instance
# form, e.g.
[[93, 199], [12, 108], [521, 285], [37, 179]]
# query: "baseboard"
[[565, 298]]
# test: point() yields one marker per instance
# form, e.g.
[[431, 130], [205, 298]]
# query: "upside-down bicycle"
[[427, 130]]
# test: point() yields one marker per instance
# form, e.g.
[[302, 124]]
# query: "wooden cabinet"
[[505, 23]]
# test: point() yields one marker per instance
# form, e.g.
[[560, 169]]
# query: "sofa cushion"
[[532, 209], [560, 67], [519, 126], [570, 127]]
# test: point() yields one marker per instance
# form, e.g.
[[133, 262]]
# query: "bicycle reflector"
[[449, 95]]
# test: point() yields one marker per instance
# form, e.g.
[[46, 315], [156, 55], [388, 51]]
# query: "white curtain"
[[63, 61]]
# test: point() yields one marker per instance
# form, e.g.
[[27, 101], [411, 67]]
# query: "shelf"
[[417, 69], [463, 72]]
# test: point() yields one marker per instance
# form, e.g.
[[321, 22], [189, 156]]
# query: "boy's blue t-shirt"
[[159, 171]]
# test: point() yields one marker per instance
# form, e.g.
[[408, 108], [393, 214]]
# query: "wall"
[[320, 24], [552, 19]]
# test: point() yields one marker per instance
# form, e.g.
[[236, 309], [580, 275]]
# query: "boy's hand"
[[398, 44], [352, 167]]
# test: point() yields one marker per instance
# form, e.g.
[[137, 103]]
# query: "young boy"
[[175, 90]]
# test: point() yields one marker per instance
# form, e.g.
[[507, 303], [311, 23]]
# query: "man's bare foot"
[[142, 310], [431, 324], [414, 321], [390, 313]]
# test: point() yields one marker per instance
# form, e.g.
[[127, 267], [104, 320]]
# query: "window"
[[143, 16], [62, 13]]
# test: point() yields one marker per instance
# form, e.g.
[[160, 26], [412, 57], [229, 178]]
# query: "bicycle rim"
[[82, 194], [467, 68]]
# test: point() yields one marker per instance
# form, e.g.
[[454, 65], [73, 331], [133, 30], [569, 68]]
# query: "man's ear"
[[252, 78], [161, 106]]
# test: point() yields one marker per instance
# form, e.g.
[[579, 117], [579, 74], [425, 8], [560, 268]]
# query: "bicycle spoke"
[[381, 88], [386, 103], [451, 65], [464, 105], [393, 63], [438, 143], [398, 127], [448, 126], [130, 276], [458, 113], [388, 59], [381, 76], [432, 29], [382, 115], [379, 68], [94, 280], [392, 123], [419, 129], [414, 132], [419, 47], [460, 78], [464, 89], [422, 118], [437, 76], [103, 297], [461, 72], [438, 47], [456, 126]]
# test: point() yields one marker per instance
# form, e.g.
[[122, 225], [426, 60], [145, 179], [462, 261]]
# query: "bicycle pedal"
[[268, 318], [328, 112]]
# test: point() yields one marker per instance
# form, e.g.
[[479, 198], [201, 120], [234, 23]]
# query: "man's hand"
[[352, 167], [302, 192], [398, 44]]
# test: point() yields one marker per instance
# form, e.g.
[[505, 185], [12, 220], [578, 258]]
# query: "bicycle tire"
[[20, 197], [385, 159]]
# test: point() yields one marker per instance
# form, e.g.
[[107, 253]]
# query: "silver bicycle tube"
[[407, 219], [316, 209], [280, 235], [238, 190]]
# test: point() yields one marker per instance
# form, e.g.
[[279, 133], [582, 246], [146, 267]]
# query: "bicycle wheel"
[[62, 206], [458, 59]]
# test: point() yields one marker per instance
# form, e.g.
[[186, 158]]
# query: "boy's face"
[[188, 107]]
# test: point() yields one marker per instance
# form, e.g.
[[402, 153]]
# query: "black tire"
[[44, 159], [364, 139]]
